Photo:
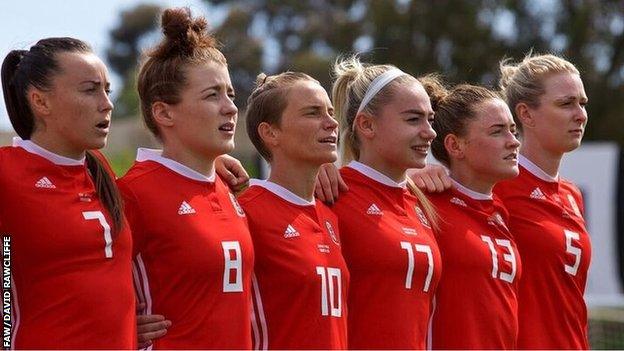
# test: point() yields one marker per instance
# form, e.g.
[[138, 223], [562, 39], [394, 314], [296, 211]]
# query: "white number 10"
[[108, 240], [410, 263], [330, 275]]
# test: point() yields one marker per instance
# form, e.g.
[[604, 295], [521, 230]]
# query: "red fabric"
[[298, 271], [383, 312], [67, 293], [552, 312], [476, 301], [180, 257]]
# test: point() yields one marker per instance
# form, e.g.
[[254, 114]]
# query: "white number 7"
[[108, 248]]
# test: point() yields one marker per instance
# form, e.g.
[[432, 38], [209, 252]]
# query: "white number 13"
[[509, 257]]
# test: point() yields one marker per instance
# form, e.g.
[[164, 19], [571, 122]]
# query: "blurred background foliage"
[[462, 39]]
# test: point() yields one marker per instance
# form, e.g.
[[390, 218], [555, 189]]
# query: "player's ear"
[[269, 134], [364, 123], [162, 114], [454, 146]]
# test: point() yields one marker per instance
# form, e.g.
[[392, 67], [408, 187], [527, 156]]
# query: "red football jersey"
[[193, 253], [301, 280], [546, 219], [393, 259], [476, 302], [71, 278]]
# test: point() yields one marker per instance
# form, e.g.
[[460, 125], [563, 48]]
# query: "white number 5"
[[569, 235], [108, 240]]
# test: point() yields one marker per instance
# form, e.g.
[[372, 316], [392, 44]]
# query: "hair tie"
[[377, 84]]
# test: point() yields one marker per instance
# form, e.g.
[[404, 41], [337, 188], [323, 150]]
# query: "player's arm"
[[329, 184], [432, 178], [232, 172]]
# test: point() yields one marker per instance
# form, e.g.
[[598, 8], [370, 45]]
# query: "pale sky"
[[23, 22]]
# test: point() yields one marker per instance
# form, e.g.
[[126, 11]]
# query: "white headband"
[[377, 84]]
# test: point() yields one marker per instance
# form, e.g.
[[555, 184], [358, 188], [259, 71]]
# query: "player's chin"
[[96, 143], [508, 172]]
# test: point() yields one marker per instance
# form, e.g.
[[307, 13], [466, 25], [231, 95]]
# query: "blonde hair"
[[267, 102], [352, 80], [524, 81]]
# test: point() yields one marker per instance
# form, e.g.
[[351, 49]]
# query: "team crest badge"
[[496, 217], [574, 205], [332, 233], [422, 217], [237, 206]]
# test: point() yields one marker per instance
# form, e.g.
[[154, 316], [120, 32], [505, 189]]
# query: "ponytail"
[[106, 189], [14, 91]]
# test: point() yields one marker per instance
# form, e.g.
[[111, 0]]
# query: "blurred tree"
[[125, 51], [462, 39]]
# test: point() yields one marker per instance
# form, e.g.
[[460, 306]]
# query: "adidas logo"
[[44, 183], [290, 232], [185, 208], [537, 194], [458, 201], [374, 210]]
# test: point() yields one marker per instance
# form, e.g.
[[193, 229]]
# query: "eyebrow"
[[502, 125], [570, 97], [416, 112], [315, 107], [95, 82]]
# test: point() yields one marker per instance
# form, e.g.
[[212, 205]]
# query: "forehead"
[[563, 85], [81, 66], [207, 74], [493, 111], [410, 95], [305, 93]]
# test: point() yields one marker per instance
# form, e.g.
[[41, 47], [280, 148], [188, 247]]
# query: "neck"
[[197, 162], [55, 145], [373, 160], [298, 178], [549, 162], [472, 181]]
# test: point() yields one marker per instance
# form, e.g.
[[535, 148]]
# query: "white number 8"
[[235, 264]]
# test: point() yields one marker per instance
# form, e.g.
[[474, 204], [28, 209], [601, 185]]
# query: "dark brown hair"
[[454, 109], [22, 69], [267, 102], [162, 75]]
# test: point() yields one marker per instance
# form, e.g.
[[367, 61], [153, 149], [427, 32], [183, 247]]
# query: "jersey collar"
[[475, 195], [376, 175], [144, 154], [57, 159], [536, 171], [281, 192]]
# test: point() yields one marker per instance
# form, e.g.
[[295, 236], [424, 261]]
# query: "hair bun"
[[435, 88], [184, 33]]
